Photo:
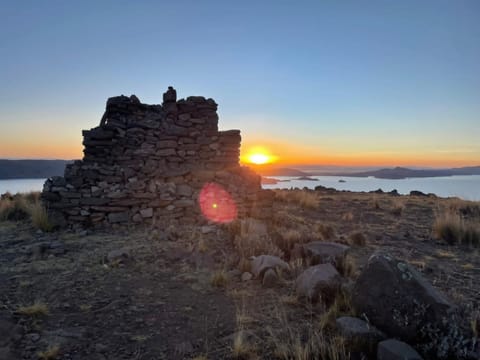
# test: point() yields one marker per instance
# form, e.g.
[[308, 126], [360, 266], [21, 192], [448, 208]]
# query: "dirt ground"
[[149, 294]]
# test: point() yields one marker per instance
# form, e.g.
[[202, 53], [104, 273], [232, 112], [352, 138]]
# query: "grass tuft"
[[50, 354], [450, 227], [39, 216], [37, 309], [357, 238], [219, 279]]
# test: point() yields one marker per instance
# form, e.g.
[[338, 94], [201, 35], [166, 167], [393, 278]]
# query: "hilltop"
[[31, 169]]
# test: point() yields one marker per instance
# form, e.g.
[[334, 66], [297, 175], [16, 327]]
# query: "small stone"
[[270, 278], [246, 276], [146, 213], [392, 349], [260, 264]]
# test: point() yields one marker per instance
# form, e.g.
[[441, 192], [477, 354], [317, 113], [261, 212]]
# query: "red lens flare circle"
[[217, 204]]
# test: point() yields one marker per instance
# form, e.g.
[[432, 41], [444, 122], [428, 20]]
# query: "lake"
[[21, 185], [465, 187]]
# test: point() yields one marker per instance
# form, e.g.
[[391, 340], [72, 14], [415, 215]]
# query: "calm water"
[[465, 187], [21, 185]]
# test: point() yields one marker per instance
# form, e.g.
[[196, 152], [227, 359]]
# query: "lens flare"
[[217, 204]]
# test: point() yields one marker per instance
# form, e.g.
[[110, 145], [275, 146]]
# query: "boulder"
[[320, 252], [260, 264], [392, 349], [270, 278], [246, 276], [318, 281], [397, 299], [358, 334]]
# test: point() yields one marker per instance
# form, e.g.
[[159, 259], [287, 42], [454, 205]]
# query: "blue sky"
[[357, 82]]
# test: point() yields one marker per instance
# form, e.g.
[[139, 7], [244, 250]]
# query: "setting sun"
[[258, 156], [258, 159]]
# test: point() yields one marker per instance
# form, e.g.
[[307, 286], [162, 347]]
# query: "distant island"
[[403, 173], [31, 169], [387, 173]]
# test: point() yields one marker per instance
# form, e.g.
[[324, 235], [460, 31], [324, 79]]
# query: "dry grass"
[[200, 357], [39, 217], [22, 206], [398, 205], [341, 306], [242, 349], [306, 199], [348, 216], [13, 208], [348, 267], [219, 279], [327, 231], [450, 227], [357, 238], [444, 254], [37, 309], [50, 354], [251, 238], [291, 300], [303, 341]]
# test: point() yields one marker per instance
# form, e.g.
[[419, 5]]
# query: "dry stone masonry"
[[148, 164]]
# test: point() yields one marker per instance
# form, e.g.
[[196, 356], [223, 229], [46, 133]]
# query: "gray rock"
[[270, 278], [260, 264], [146, 213], [396, 298], [118, 217], [392, 349], [319, 281], [320, 252], [358, 334], [246, 276], [118, 255]]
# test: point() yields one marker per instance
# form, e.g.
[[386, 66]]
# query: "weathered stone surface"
[[270, 278], [392, 349], [260, 264], [118, 217], [320, 252], [319, 281], [246, 276], [396, 298], [358, 334]]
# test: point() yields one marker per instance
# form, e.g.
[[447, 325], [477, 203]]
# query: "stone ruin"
[[148, 164]]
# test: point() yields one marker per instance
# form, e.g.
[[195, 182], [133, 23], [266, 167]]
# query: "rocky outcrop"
[[150, 163]]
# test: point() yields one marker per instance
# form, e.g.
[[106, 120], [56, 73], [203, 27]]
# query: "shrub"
[[39, 217], [451, 228], [357, 238]]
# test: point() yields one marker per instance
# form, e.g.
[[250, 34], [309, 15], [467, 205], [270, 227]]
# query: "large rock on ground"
[[260, 264], [320, 252], [319, 281], [358, 334], [397, 299], [392, 349]]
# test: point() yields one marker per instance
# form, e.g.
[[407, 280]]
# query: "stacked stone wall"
[[147, 164]]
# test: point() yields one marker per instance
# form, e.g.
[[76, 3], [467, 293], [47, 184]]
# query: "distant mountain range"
[[37, 169], [403, 173], [31, 169], [388, 173]]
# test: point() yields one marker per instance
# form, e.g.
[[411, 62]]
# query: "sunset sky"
[[309, 82]]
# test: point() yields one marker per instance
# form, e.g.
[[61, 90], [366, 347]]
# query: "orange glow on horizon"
[[258, 155]]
